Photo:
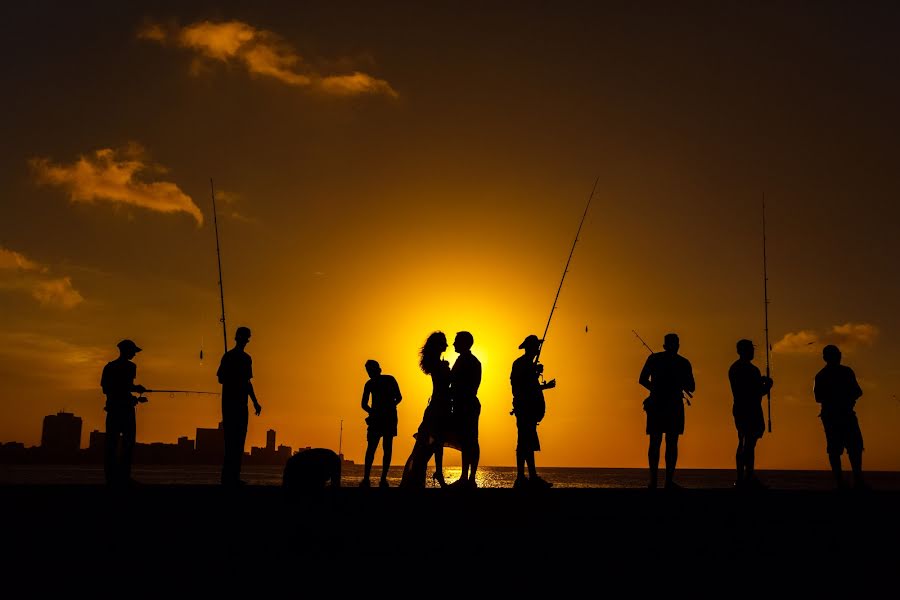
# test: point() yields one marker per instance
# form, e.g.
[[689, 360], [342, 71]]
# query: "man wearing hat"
[[528, 407], [234, 373], [117, 382], [748, 386]]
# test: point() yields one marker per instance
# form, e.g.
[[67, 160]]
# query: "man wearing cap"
[[668, 376], [837, 390], [748, 387], [235, 372], [528, 407], [117, 382]]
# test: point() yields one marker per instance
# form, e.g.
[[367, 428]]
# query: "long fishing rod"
[[686, 394], [219, 260], [766, 311], [181, 392], [565, 270]]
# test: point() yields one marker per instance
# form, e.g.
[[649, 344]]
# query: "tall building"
[[270, 441], [61, 433]]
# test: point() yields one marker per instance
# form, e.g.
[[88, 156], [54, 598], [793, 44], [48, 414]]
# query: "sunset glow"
[[416, 167]]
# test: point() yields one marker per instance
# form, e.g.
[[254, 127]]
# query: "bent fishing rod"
[[686, 394], [559, 289], [565, 270]]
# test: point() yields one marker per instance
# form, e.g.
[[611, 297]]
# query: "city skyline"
[[61, 442]]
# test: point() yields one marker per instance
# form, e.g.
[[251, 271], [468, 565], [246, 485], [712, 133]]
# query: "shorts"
[[527, 440], [381, 426], [467, 423], [664, 415], [749, 420], [842, 433]]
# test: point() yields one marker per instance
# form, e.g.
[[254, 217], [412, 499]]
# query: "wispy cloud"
[[231, 201], [112, 175], [19, 273], [262, 53], [848, 337], [74, 366]]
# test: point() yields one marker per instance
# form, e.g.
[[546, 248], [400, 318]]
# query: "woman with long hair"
[[432, 432]]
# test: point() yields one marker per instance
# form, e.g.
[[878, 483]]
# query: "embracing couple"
[[451, 416]]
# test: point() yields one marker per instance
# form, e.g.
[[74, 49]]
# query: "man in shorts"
[[837, 390]]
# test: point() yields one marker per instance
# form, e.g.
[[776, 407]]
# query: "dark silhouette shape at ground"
[[312, 470]]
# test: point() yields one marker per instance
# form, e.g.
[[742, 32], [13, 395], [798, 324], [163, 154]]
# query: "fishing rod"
[[686, 394], [642, 341], [181, 392], [537, 356], [766, 311], [565, 270], [219, 260]]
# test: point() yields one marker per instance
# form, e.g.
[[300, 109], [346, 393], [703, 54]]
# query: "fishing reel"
[[545, 385]]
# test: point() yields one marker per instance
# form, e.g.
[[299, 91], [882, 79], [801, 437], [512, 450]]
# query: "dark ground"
[[565, 540]]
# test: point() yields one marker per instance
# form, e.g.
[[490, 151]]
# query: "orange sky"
[[383, 172]]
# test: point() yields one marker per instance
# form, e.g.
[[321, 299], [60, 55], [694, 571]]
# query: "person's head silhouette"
[[671, 343], [373, 368], [430, 352], [745, 349], [463, 342], [242, 336], [127, 349], [831, 354], [531, 344]]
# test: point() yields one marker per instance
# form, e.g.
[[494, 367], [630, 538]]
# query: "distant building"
[[270, 441], [61, 434], [185, 444], [283, 453], [97, 440]]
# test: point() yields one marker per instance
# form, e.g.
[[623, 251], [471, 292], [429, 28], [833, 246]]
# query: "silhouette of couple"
[[451, 416]]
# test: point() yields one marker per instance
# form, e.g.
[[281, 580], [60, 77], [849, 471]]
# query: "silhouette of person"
[[117, 382], [465, 379], [382, 420], [528, 407], [748, 386], [837, 390], [434, 429], [667, 375], [234, 373]]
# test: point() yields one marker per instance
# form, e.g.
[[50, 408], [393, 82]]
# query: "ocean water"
[[488, 477]]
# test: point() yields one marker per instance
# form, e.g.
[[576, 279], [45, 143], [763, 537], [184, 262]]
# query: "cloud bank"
[[847, 337], [112, 176], [262, 53], [19, 273]]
